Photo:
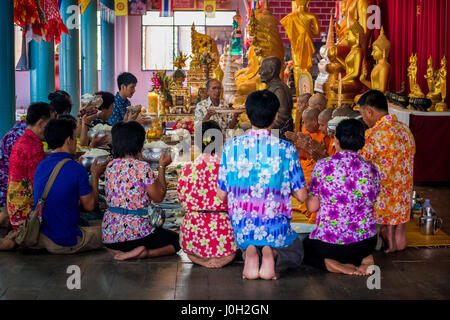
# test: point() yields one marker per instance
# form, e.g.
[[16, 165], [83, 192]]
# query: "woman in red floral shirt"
[[26, 154], [206, 233]]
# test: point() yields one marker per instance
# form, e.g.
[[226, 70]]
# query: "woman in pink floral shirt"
[[130, 188], [206, 232], [344, 189]]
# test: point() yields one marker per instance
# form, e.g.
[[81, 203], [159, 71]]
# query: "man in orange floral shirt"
[[390, 146]]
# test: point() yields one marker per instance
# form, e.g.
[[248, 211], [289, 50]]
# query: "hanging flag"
[[137, 7], [84, 4], [209, 6], [121, 7], [59, 4], [166, 8]]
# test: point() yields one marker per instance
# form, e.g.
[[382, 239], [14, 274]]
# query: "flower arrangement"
[[180, 61], [185, 123], [161, 83]]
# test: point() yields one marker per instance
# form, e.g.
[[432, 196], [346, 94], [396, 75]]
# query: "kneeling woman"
[[130, 187], [206, 233], [343, 189]]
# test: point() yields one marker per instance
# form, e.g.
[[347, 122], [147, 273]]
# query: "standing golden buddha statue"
[[414, 88], [379, 77], [266, 42], [441, 85], [300, 27], [351, 84], [334, 68], [430, 77]]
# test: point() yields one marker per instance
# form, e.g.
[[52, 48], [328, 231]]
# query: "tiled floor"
[[412, 274]]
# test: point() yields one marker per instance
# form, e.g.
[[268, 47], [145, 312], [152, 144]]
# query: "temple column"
[[69, 53], [89, 72], [108, 46], [42, 70], [7, 68]]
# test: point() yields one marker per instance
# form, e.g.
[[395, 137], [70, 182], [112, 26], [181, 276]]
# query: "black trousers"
[[157, 239], [317, 251]]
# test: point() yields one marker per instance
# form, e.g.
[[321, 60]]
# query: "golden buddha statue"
[[334, 68], [350, 83], [300, 27], [414, 88], [441, 85], [434, 96], [266, 41], [202, 43], [352, 10]]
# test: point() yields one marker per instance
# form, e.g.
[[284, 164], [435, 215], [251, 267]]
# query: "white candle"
[[340, 90]]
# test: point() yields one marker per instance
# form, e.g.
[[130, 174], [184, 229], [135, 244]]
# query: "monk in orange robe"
[[302, 141]]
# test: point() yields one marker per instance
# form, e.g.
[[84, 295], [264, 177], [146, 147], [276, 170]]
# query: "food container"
[[152, 155], [87, 161], [101, 133]]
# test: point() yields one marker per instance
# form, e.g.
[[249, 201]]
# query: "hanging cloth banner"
[[210, 8], [84, 4], [121, 7], [166, 8], [107, 14], [137, 7]]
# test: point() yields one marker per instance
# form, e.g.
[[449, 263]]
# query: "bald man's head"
[[318, 101], [342, 111], [310, 120], [323, 119]]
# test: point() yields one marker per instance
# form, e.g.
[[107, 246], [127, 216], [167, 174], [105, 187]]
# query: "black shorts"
[[317, 251], [157, 239]]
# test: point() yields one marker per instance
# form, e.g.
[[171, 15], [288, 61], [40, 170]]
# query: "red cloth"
[[415, 26], [432, 159]]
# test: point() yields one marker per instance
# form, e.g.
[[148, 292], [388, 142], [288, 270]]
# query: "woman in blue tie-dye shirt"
[[258, 174]]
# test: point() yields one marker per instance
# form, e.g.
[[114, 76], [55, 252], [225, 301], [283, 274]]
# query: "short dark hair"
[[37, 111], [262, 107], [207, 125], [67, 117], [57, 131], [108, 99], [127, 139], [208, 83], [350, 134], [126, 79], [60, 101], [375, 99]]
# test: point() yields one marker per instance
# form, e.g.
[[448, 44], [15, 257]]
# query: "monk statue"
[[266, 42], [270, 74], [351, 85], [414, 88], [323, 74], [441, 85], [301, 26], [379, 77]]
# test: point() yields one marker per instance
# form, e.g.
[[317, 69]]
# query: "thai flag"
[[166, 8]]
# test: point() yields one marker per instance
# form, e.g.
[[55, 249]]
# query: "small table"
[[431, 132]]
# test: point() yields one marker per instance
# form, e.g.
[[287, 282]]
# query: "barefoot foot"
[[136, 253], [267, 270], [337, 267], [251, 265]]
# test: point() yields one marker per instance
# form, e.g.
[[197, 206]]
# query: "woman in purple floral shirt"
[[130, 187], [343, 188]]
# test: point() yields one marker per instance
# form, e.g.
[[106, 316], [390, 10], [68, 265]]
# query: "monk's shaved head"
[[318, 101], [310, 113], [326, 114], [342, 111]]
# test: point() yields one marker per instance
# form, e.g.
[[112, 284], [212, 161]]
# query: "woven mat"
[[413, 236]]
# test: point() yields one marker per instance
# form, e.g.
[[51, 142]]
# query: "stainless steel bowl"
[[152, 155], [101, 133], [88, 161]]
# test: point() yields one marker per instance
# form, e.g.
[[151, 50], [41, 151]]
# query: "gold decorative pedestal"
[[441, 107]]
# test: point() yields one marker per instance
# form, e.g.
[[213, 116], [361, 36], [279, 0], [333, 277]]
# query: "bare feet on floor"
[[363, 269], [387, 234], [267, 270], [251, 266], [7, 245], [337, 267], [136, 253]]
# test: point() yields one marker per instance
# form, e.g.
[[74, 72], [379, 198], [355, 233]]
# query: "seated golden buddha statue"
[[266, 42], [202, 43], [414, 88], [379, 77], [300, 27], [350, 83]]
